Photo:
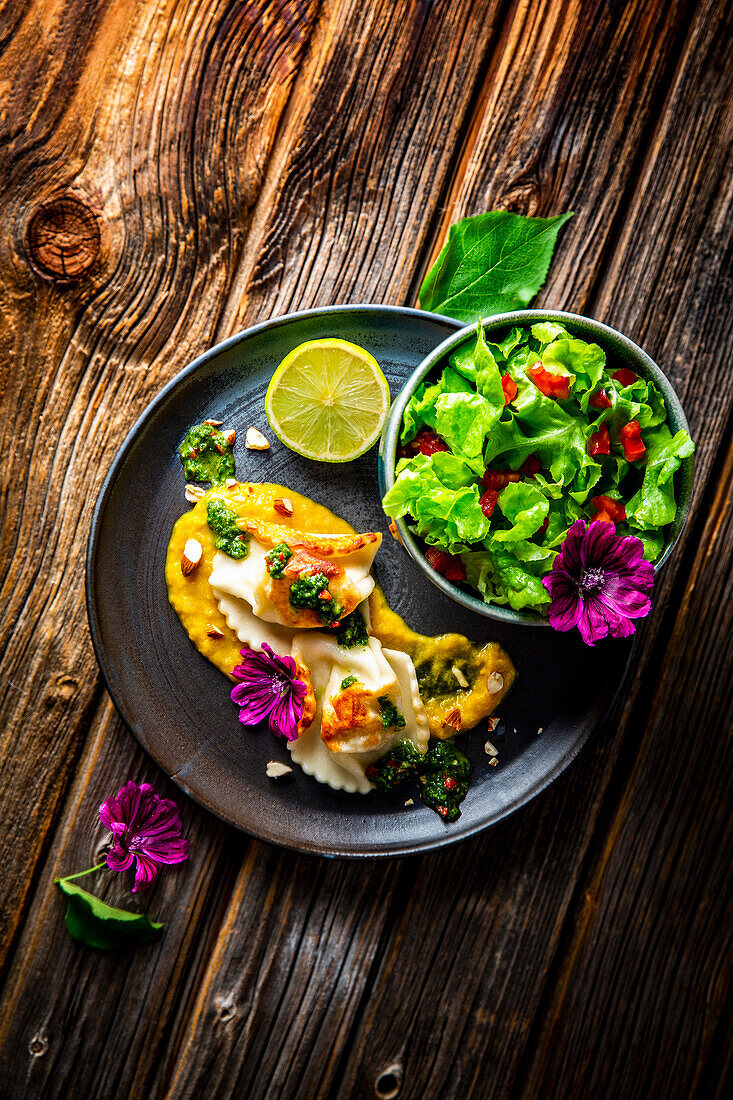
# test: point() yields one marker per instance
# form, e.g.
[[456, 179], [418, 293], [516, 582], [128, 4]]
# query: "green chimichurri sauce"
[[206, 455], [435, 677], [443, 774], [311, 592], [351, 631], [277, 559], [446, 781], [391, 717], [348, 681], [224, 523], [400, 765]]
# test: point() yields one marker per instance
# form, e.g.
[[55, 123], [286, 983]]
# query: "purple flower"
[[597, 582], [145, 828], [268, 688]]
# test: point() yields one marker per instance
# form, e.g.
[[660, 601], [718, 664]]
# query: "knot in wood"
[[38, 1044], [225, 1008], [63, 238], [389, 1083], [523, 197]]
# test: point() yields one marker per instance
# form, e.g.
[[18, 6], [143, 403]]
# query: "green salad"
[[515, 441]]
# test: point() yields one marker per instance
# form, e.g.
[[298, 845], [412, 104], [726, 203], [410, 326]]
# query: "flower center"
[[591, 580]]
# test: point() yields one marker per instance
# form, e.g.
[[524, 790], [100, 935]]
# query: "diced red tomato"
[[455, 570], [625, 376], [600, 400], [449, 566], [614, 508], [552, 385], [437, 559], [509, 387], [599, 443], [488, 502], [601, 517], [499, 479], [631, 441], [427, 442], [530, 466]]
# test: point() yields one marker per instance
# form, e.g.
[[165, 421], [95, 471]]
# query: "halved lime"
[[328, 400]]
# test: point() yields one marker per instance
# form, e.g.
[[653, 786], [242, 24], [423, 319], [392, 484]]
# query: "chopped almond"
[[283, 506], [275, 770], [495, 682], [214, 423], [453, 718], [230, 435], [193, 493], [255, 440], [191, 557], [459, 675], [214, 632]]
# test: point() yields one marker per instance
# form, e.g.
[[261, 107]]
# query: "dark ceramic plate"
[[177, 704]]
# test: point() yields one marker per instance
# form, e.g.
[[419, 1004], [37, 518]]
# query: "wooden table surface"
[[222, 162]]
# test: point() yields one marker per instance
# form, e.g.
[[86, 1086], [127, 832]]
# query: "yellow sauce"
[[193, 601], [435, 657]]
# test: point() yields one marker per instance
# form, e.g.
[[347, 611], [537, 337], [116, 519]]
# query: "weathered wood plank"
[[650, 954], [121, 115], [415, 51], [493, 969], [646, 977], [76, 1021]]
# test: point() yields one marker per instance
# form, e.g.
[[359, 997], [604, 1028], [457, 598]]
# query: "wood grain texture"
[[325, 77], [509, 990], [128, 127], [242, 160]]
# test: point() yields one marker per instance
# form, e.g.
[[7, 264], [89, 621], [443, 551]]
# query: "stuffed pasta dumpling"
[[296, 579], [364, 700]]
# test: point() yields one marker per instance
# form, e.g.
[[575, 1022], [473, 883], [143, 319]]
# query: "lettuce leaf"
[[421, 411], [640, 401], [491, 263], [654, 504], [463, 421], [440, 493], [586, 362], [547, 331], [540, 425], [526, 507], [502, 579], [488, 375]]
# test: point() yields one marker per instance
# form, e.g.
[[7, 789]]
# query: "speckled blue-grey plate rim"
[[620, 345], [366, 826]]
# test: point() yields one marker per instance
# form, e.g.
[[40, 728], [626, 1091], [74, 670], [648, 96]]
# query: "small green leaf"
[[491, 263], [97, 924]]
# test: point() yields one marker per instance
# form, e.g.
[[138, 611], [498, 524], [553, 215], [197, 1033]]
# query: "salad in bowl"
[[520, 431]]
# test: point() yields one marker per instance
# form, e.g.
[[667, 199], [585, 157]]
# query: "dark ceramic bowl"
[[620, 351]]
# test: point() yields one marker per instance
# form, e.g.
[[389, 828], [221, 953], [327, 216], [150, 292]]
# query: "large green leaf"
[[97, 924], [491, 263]]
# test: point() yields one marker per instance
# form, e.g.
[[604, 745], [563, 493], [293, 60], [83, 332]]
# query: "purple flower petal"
[[268, 688], [146, 830], [119, 858], [598, 582], [145, 871]]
